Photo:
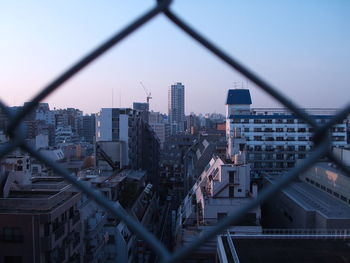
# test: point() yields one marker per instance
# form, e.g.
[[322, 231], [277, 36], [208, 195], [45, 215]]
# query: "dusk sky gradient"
[[301, 47]]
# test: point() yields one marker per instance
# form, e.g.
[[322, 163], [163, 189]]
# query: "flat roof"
[[313, 199], [277, 116], [292, 250], [24, 201]]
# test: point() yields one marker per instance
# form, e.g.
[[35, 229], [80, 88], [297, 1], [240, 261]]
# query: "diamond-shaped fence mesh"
[[321, 148]]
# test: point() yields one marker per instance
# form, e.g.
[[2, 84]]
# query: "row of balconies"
[[270, 150], [277, 121], [273, 160], [281, 139]]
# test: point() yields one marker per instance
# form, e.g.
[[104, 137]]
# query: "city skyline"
[[297, 47]]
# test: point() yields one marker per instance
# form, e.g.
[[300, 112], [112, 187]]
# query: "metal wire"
[[321, 142]]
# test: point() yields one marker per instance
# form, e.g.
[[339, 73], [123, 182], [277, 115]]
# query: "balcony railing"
[[59, 232], [76, 218]]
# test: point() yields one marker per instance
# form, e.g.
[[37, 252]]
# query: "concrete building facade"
[[176, 107], [275, 137]]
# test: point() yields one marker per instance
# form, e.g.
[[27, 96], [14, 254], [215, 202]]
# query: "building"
[[176, 107], [142, 107], [192, 124], [134, 142], [320, 199], [292, 246], [88, 130], [39, 221], [121, 125], [160, 126], [198, 156], [275, 137], [223, 188]]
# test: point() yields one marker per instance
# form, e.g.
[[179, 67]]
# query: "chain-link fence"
[[322, 142]]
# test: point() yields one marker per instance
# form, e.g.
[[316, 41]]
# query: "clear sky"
[[301, 47]]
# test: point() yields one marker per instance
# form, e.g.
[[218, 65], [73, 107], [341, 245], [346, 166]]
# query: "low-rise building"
[[223, 188], [40, 222], [320, 199], [292, 246]]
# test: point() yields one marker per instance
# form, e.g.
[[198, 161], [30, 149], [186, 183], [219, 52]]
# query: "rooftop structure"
[[319, 200], [291, 247]]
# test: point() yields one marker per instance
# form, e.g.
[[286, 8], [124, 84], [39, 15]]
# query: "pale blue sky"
[[301, 47]]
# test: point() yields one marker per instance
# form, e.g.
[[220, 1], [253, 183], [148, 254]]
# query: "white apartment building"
[[276, 138], [223, 188], [176, 107], [119, 125]]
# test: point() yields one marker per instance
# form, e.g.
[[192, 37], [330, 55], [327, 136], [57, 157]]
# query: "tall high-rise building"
[[176, 107]]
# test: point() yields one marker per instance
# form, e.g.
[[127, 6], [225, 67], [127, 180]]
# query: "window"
[[302, 148], [12, 234], [221, 215], [257, 148], [279, 156], [280, 148], [233, 177], [231, 191]]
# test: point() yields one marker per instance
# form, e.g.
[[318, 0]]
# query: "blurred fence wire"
[[321, 148]]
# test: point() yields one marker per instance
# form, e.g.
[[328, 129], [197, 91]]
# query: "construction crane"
[[147, 93]]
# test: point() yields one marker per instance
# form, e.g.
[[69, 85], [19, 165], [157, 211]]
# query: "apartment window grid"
[[320, 137]]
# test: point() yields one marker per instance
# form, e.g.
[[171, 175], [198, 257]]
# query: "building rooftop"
[[238, 96], [301, 250], [24, 201], [276, 116], [313, 199]]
